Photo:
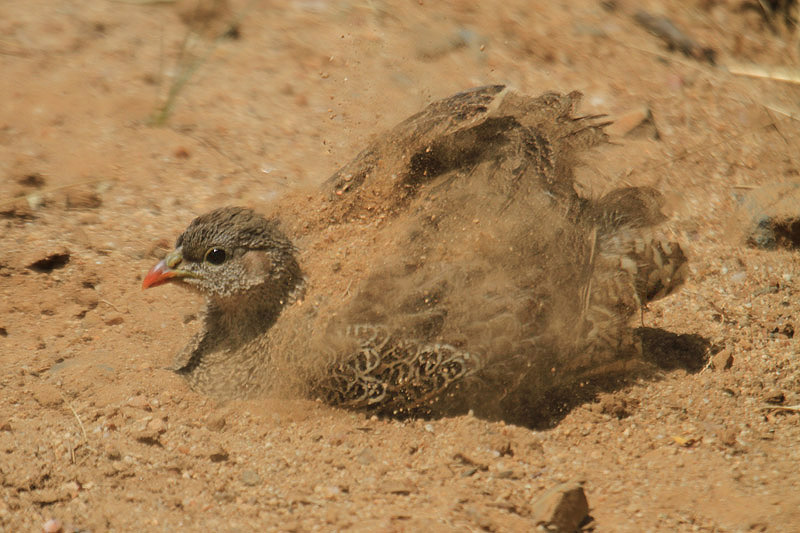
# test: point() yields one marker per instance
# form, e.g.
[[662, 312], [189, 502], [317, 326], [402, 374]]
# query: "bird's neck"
[[232, 358], [250, 314]]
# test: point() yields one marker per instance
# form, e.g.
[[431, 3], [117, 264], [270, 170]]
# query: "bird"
[[451, 265]]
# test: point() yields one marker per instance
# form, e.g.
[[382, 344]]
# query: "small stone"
[[685, 442], [727, 436], [52, 526], [562, 508], [218, 454], [722, 360], [139, 402], [429, 428], [250, 478], [35, 200], [216, 422], [148, 434], [157, 426]]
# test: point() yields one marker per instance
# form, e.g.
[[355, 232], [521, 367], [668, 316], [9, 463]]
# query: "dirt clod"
[[48, 395]]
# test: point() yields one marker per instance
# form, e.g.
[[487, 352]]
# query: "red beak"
[[165, 270], [158, 275]]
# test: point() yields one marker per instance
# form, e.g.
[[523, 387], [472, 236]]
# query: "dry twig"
[[790, 408], [75, 413]]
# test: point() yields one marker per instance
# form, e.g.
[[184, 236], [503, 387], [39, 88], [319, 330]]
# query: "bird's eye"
[[215, 256]]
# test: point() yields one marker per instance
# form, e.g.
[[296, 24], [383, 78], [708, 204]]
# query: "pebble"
[[562, 508], [157, 425], [727, 436], [216, 422], [139, 402], [250, 478], [35, 200], [723, 360], [218, 454], [149, 434], [52, 526]]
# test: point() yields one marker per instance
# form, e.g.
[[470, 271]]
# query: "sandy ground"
[[97, 435]]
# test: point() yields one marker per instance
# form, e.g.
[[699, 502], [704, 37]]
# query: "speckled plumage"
[[473, 273]]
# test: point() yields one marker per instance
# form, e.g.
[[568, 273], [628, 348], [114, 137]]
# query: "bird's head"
[[228, 252]]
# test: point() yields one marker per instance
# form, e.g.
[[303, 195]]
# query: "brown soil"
[[97, 435]]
